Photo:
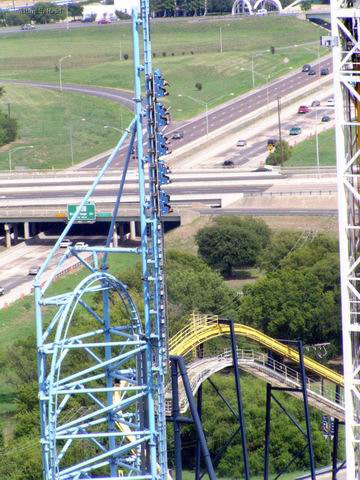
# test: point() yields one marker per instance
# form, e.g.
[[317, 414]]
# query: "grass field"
[[18, 320], [57, 124], [304, 153], [187, 51]]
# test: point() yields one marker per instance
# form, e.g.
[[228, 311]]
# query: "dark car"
[[272, 141], [325, 118], [312, 71], [324, 71], [315, 103], [88, 19], [2, 291], [262, 169], [306, 67], [228, 163], [177, 135]]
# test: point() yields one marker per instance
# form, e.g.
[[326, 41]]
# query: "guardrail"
[[291, 193]]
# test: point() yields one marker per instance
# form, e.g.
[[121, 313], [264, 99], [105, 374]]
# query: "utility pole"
[[221, 42], [279, 125]]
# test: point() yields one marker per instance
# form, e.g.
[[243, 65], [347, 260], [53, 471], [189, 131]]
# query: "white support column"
[[346, 57], [7, 228], [132, 230], [26, 230], [115, 238]]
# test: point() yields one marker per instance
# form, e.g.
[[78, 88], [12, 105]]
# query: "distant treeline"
[[179, 8]]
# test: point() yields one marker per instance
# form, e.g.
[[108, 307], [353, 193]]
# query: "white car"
[[66, 243], [262, 11], [81, 245], [241, 143], [330, 102]]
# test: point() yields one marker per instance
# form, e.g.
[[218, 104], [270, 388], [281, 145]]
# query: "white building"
[[126, 5]]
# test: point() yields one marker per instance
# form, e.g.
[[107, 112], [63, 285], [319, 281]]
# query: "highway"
[[218, 117]]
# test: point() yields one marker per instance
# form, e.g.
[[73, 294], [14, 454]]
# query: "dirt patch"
[[182, 238], [316, 224]]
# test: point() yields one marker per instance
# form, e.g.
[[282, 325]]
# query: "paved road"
[[217, 117]]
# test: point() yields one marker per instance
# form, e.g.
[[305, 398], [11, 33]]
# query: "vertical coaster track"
[[100, 366]]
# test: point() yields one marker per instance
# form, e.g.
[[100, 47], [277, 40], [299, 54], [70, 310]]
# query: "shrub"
[[164, 54], [126, 56], [198, 86], [8, 129]]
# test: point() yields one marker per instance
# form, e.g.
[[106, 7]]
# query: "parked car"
[[324, 71], [81, 245], [303, 109], [330, 102], [295, 131], [34, 270], [66, 243], [262, 169], [27, 26], [104, 21], [177, 135], [315, 103], [89, 19], [228, 163], [262, 11], [2, 291], [241, 143], [306, 68], [325, 118], [312, 71]]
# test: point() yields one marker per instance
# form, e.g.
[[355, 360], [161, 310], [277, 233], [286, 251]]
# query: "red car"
[[104, 21], [303, 109]]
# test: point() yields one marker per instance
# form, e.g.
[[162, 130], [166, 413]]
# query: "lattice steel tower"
[[101, 371], [345, 19]]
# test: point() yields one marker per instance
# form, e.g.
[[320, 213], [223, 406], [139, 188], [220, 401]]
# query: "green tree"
[[8, 129], [279, 246], [305, 5], [281, 153], [16, 18], [44, 12], [291, 304], [232, 242], [75, 10]]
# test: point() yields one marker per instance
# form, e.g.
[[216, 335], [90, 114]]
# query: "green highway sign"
[[104, 215], [87, 214]]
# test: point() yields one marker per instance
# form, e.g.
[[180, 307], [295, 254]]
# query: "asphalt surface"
[[217, 117]]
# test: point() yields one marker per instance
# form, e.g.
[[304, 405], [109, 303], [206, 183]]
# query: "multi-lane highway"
[[218, 117]]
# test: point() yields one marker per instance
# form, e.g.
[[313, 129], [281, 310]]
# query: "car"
[[330, 102], [315, 103], [66, 243], [262, 11], [228, 163], [303, 109], [295, 131], [262, 169], [27, 26], [81, 245], [89, 19], [306, 68], [324, 71], [177, 135], [272, 141], [2, 291], [34, 270], [312, 71], [104, 21], [325, 118], [241, 143]]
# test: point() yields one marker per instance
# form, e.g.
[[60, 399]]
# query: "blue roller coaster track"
[[101, 367]]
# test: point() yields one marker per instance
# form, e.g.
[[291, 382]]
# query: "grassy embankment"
[[304, 153], [187, 51], [18, 320], [54, 123]]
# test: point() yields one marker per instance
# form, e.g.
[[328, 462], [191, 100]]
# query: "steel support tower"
[[345, 43], [101, 372]]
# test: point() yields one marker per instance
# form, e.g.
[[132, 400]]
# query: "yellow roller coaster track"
[[202, 328]]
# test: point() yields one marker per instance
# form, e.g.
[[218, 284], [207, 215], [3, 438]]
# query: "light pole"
[[206, 105], [317, 143], [14, 150], [279, 125], [60, 65]]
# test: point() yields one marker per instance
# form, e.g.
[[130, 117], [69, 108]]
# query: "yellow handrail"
[[202, 328]]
